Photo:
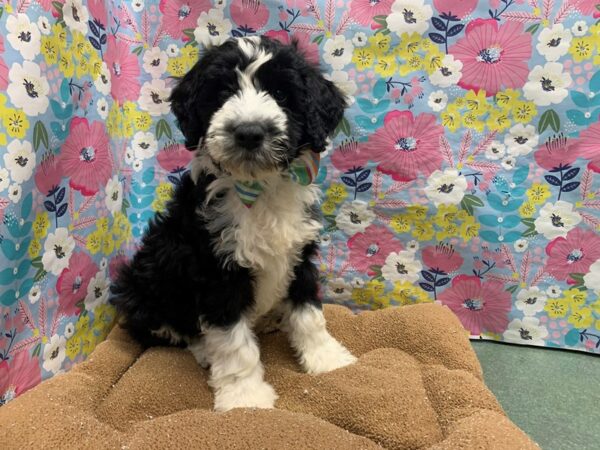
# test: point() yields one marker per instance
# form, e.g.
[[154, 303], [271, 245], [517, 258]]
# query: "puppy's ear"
[[324, 106], [184, 104]]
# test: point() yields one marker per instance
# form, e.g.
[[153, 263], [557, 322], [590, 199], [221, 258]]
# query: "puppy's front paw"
[[328, 355], [245, 393]]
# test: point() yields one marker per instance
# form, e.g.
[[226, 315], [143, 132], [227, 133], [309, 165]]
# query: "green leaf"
[[1, 11], [381, 20], [578, 279], [549, 119], [189, 32], [533, 28], [58, 6], [41, 273], [530, 224], [163, 128], [343, 127], [37, 262], [40, 135], [469, 202], [512, 289], [36, 350], [138, 50], [318, 39]]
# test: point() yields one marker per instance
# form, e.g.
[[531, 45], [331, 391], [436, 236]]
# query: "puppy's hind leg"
[[236, 373]]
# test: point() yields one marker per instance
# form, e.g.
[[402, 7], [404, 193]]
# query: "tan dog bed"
[[417, 384]]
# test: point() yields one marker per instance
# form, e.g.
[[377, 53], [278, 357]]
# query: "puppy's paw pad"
[[328, 356], [244, 395]]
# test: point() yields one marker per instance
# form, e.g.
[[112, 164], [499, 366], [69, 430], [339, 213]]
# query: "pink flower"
[[407, 145], [557, 152], [349, 155], [457, 8], [85, 156], [574, 253], [124, 70], [98, 11], [48, 174], [17, 375], [441, 257], [493, 56], [363, 11], [309, 49], [179, 15], [588, 7], [3, 68], [479, 306], [174, 157], [301, 5], [249, 13], [372, 247], [588, 145], [73, 282]]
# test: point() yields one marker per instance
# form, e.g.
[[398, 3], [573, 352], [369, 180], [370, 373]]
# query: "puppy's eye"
[[280, 95]]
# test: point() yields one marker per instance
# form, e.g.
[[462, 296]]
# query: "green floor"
[[553, 395]]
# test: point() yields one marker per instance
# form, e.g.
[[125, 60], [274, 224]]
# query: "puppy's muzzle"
[[249, 136]]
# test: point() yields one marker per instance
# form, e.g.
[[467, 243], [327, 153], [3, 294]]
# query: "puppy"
[[236, 241]]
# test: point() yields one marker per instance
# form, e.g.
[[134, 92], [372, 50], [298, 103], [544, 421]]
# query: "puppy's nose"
[[249, 135]]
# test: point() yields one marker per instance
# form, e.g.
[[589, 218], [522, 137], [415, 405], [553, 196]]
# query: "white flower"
[[212, 28], [354, 217], [102, 108], [360, 39], [76, 15], [554, 42], [448, 74], [547, 85], [137, 5], [409, 16], [357, 283], [138, 165], [521, 245], [34, 294], [526, 331], [28, 89], [495, 150], [69, 330], [591, 280], [412, 246], [102, 82], [337, 52], [556, 219], [521, 140], [4, 179], [154, 97], [20, 160], [401, 266], [155, 62], [347, 86], [114, 195], [23, 35], [129, 155], [172, 50], [14, 192], [324, 240], [446, 188], [508, 163], [97, 291], [338, 290], [144, 145], [103, 263], [579, 28], [57, 251], [554, 291], [54, 354], [437, 100], [531, 301], [44, 25]]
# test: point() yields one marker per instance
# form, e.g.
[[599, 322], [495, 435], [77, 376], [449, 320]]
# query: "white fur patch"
[[317, 350], [166, 332]]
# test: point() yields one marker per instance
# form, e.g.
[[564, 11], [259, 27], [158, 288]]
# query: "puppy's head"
[[254, 103]]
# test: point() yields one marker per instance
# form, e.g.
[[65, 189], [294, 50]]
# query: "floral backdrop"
[[466, 171]]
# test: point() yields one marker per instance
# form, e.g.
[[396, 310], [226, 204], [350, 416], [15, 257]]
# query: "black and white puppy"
[[210, 267]]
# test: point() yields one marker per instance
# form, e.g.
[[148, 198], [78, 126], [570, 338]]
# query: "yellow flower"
[[417, 212], [433, 60], [470, 120], [328, 207], [177, 66], [527, 209], [477, 102], [104, 318], [142, 121], [380, 43], [73, 347], [16, 123], [469, 229], [361, 296], [596, 306], [108, 244], [445, 214], [582, 48], [376, 287], [556, 307], [363, 58], [409, 45], [60, 34], [451, 118], [506, 99], [3, 140], [189, 52], [427, 45], [460, 102], [50, 49], [94, 241], [412, 64], [95, 66], [88, 342], [165, 191], [581, 317], [524, 112], [575, 297], [498, 120], [405, 293], [40, 225], [337, 192], [114, 120], [538, 193], [449, 230], [400, 223], [423, 231], [65, 65], [78, 46], [34, 248], [102, 224], [83, 323], [386, 66], [121, 226], [82, 68]]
